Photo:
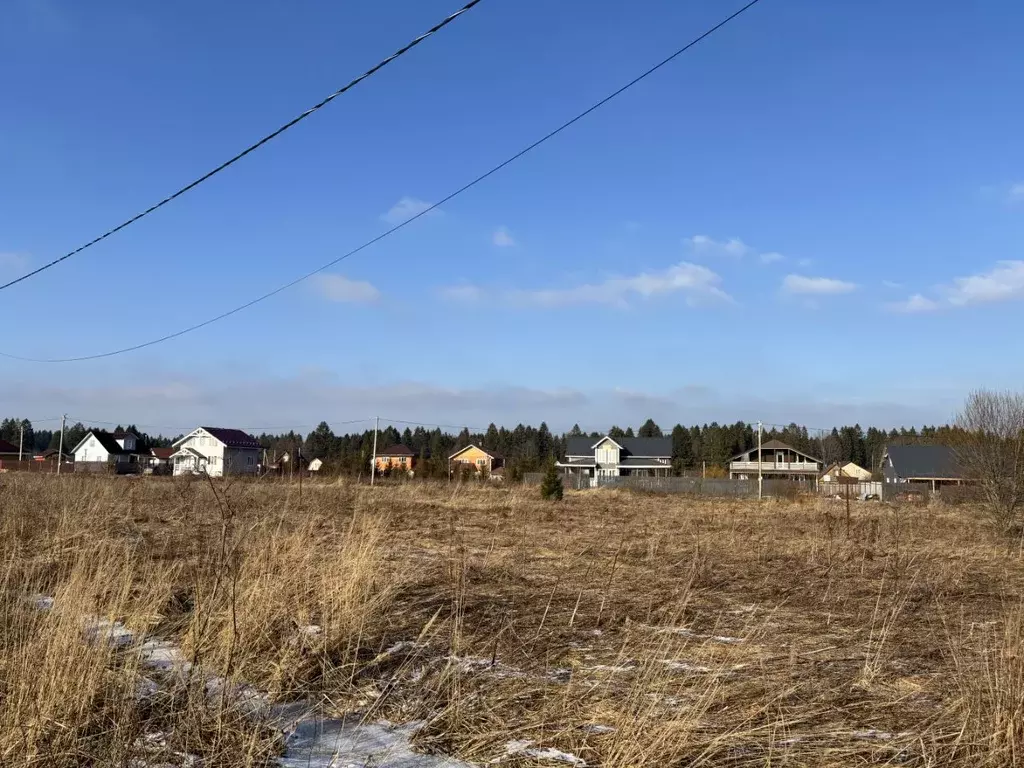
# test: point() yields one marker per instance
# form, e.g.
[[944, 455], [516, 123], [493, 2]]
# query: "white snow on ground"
[[598, 729], [525, 748], [685, 666], [311, 741], [350, 743]]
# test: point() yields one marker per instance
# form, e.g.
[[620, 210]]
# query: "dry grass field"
[[151, 622]]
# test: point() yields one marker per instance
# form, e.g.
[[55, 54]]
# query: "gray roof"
[[933, 461], [635, 462], [632, 446], [582, 462]]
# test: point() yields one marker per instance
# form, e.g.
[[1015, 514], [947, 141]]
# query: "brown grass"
[[626, 629]]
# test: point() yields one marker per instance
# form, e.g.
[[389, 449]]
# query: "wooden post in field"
[[21, 441], [759, 480], [373, 461], [60, 445]]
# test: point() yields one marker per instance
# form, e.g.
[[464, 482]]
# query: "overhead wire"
[[251, 148], [487, 174]]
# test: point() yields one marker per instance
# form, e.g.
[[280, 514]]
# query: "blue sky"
[[815, 215]]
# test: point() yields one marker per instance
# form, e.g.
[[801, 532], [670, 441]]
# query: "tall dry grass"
[[620, 629]]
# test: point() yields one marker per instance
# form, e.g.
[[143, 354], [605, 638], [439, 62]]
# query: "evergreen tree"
[[682, 448], [650, 429], [629, 432], [320, 443], [575, 431], [551, 485]]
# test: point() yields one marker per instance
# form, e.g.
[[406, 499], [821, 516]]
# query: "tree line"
[[35, 441], [529, 449]]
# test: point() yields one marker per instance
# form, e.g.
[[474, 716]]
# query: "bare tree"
[[989, 446]]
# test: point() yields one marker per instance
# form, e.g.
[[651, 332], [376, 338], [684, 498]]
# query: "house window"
[[481, 462], [248, 461]]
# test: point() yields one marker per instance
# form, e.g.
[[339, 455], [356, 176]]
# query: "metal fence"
[[853, 490], [696, 486]]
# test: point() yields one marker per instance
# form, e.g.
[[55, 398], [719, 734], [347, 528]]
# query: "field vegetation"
[[155, 622]]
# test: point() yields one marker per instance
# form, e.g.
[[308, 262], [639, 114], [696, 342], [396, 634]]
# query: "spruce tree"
[[551, 485]]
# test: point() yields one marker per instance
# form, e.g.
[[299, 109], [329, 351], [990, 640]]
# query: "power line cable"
[[251, 148], [439, 426], [424, 212], [90, 422]]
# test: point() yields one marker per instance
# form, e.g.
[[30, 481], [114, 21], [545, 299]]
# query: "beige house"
[[846, 472]]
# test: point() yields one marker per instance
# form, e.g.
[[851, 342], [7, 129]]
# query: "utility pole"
[[21, 440], [373, 461], [760, 482], [60, 445]]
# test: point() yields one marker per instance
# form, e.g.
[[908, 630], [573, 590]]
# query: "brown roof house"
[[217, 451], [395, 457], [776, 460]]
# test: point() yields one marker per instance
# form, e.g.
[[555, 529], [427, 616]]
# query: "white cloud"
[[406, 208], [1016, 193], [815, 286], [14, 262], [1004, 281], [697, 284], [467, 294], [503, 238], [704, 244], [805, 262], [341, 289], [734, 248], [913, 305], [891, 284]]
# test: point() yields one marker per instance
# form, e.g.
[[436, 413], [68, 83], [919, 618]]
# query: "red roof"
[[162, 453]]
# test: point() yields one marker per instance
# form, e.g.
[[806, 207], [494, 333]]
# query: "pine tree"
[[551, 486], [650, 429]]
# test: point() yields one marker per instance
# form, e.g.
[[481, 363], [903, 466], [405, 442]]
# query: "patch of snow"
[[685, 666], [628, 666], [876, 735], [525, 748], [42, 602], [114, 633], [350, 743], [598, 729]]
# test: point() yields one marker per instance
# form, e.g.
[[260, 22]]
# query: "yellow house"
[[846, 472], [479, 458]]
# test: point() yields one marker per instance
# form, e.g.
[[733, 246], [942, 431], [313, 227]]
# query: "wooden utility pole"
[[60, 444], [760, 482], [21, 441], [373, 461]]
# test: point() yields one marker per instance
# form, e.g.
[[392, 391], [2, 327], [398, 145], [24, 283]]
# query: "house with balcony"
[[216, 451], [777, 461], [617, 456]]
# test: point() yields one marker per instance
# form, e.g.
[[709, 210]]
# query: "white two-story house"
[[616, 457], [216, 451], [100, 448]]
